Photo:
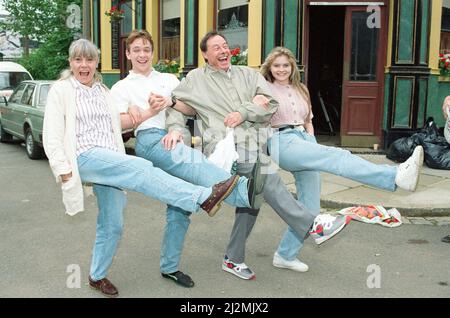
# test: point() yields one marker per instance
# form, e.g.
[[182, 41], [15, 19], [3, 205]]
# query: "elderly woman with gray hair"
[[83, 142]]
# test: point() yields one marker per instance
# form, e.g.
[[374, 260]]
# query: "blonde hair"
[[83, 48], [295, 77]]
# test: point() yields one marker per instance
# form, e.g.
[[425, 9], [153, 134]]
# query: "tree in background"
[[46, 22], [31, 19]]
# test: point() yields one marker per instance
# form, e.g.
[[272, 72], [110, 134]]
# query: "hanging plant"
[[115, 14]]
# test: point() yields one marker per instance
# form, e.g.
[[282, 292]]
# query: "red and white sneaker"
[[326, 226], [240, 270]]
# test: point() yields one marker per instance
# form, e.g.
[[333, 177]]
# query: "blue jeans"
[[190, 165], [298, 152], [111, 171]]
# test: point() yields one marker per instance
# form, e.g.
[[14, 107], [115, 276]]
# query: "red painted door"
[[363, 77]]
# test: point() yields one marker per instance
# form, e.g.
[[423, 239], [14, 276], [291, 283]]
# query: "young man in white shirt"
[[166, 150]]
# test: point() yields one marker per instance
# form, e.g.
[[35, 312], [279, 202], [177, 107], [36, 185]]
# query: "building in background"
[[372, 66], [10, 46]]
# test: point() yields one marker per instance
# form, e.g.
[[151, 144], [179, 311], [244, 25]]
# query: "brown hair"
[[294, 78], [138, 34]]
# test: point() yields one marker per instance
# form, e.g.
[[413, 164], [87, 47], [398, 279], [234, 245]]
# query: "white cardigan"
[[59, 139]]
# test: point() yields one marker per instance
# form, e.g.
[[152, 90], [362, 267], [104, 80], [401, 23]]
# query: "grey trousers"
[[281, 200]]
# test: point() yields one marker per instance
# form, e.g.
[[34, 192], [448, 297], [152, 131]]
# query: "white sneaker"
[[408, 172], [295, 265]]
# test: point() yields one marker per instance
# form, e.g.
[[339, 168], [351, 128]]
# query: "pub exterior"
[[372, 67]]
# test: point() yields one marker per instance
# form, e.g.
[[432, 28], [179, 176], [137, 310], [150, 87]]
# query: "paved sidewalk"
[[431, 199]]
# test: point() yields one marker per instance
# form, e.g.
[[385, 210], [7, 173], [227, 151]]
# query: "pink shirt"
[[293, 108]]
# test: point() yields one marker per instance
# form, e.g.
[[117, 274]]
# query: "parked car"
[[22, 115], [11, 74]]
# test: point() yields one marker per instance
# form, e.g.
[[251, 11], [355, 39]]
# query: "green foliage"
[[238, 57], [50, 58], [167, 66]]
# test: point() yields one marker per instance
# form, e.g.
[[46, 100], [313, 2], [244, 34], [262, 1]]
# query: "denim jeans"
[[298, 152], [111, 171], [191, 165]]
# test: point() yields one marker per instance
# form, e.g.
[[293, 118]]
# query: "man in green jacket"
[[222, 95]]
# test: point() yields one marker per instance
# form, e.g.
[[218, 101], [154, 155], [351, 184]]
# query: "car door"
[[9, 112], [37, 114], [23, 109]]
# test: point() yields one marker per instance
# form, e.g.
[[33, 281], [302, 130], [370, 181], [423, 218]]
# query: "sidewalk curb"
[[404, 211]]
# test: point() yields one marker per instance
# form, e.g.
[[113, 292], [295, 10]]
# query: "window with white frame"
[[232, 22], [170, 30]]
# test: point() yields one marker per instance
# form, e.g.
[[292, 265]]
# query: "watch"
[[174, 101]]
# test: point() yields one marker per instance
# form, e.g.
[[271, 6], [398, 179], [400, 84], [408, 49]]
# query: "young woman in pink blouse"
[[294, 147]]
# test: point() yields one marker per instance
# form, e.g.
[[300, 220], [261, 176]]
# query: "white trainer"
[[408, 172], [295, 265]]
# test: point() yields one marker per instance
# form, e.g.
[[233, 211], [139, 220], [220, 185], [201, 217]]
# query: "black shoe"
[[446, 239], [256, 186], [180, 278]]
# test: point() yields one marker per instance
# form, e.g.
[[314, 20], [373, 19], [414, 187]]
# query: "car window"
[[10, 80], [43, 92], [27, 97], [17, 95]]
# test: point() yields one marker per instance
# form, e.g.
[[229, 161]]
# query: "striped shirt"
[[93, 121]]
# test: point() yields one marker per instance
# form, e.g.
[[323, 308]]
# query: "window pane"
[[233, 24], [170, 30], [27, 97], [43, 95], [127, 22], [17, 95], [364, 48]]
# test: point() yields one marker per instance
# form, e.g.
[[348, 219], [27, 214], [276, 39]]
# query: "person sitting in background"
[[446, 112]]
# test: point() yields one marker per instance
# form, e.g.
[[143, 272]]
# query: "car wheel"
[[34, 151], [4, 136]]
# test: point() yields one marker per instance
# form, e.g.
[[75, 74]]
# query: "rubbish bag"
[[401, 149], [225, 155], [436, 147]]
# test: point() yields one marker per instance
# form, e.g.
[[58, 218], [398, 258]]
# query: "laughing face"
[[218, 53], [281, 70], [83, 68], [141, 56]]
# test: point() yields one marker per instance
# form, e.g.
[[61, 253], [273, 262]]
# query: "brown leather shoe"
[[104, 286], [219, 192]]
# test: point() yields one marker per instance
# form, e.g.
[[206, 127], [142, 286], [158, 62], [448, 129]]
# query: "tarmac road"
[[44, 253]]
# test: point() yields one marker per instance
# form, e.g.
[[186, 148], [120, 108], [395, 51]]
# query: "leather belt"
[[299, 127]]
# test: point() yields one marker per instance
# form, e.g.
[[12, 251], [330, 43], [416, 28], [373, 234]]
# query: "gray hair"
[[83, 48]]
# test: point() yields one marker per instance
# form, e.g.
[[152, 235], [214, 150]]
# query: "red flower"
[[113, 8], [441, 55], [235, 51]]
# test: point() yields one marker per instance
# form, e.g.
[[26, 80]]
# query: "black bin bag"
[[436, 148]]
